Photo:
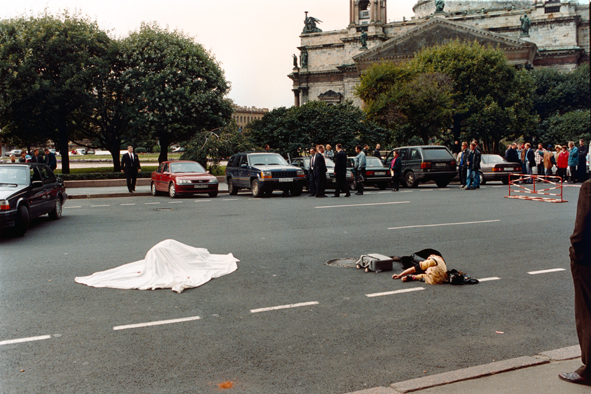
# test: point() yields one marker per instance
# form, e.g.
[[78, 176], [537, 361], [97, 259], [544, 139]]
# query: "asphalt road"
[[339, 340]]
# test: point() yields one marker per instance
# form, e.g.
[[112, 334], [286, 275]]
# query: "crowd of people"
[[35, 157]]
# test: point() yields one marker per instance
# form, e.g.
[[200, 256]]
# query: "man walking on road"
[[580, 265], [340, 172], [360, 164], [473, 181], [396, 170], [130, 164]]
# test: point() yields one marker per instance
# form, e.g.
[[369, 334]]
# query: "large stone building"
[[245, 115], [532, 34]]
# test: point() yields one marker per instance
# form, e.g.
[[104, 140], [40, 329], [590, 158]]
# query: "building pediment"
[[438, 31]]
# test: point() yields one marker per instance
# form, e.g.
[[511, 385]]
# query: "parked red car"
[[183, 177]]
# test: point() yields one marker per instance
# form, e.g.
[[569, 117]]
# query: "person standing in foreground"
[[360, 164], [50, 159], [580, 264], [583, 151], [340, 172], [396, 170], [311, 178], [130, 164], [320, 172]]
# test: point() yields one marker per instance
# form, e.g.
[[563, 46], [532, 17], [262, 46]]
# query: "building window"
[[549, 10]]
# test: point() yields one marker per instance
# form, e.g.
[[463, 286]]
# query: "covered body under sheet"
[[169, 264]]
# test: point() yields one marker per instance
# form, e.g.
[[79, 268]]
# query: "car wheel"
[[213, 194], [153, 189], [57, 210], [482, 179], [382, 185], [410, 179], [172, 190], [257, 190], [505, 180], [442, 182], [233, 190], [22, 221], [296, 191]]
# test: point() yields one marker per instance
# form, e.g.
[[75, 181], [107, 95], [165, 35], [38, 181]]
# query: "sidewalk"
[[524, 375]]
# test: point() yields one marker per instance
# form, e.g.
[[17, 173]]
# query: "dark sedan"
[[376, 173], [29, 190], [183, 177], [304, 164], [496, 168]]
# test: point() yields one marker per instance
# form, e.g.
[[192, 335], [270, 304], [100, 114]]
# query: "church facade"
[[541, 34]]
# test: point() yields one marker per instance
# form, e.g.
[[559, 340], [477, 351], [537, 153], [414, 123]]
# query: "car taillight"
[[425, 166], [495, 169], [4, 205], [369, 173], [516, 168], [453, 164]]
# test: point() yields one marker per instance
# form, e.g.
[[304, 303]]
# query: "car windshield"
[[329, 162], [270, 159], [491, 159], [436, 153], [13, 175], [372, 161], [186, 167]]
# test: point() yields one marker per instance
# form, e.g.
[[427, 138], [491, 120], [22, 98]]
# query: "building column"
[[296, 97]]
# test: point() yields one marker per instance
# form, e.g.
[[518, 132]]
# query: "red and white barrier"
[[523, 187]]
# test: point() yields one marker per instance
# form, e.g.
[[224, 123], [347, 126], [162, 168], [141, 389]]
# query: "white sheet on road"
[[169, 264]]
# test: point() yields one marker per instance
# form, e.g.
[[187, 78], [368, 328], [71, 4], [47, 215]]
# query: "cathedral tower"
[[365, 12]]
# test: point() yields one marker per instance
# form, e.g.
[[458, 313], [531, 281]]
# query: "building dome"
[[425, 8]]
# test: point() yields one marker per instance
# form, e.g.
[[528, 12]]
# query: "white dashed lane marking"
[[151, 203], [275, 308], [21, 340], [156, 323], [128, 204], [98, 206], [395, 292], [546, 271], [175, 202], [74, 207], [444, 224], [362, 205], [489, 279], [202, 200]]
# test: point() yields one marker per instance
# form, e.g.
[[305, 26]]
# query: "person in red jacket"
[[562, 163]]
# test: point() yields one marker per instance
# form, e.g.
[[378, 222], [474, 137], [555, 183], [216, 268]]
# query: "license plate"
[[380, 172], [285, 180], [440, 164], [200, 186]]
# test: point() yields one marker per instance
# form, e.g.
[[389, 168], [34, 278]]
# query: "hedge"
[[100, 175]]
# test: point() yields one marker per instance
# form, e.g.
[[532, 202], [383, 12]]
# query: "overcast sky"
[[252, 40]]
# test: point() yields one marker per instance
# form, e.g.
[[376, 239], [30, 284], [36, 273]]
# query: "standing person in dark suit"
[[35, 157], [311, 179], [340, 172], [580, 265], [377, 153], [396, 170], [583, 151], [130, 164], [320, 172], [50, 159]]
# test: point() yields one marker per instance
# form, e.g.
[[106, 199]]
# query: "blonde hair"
[[438, 274]]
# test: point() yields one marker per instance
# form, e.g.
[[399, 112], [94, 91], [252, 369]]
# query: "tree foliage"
[[47, 68], [292, 131], [178, 86]]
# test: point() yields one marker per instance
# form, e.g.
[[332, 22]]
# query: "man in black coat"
[[583, 151], [50, 159], [320, 172], [311, 179], [580, 265], [130, 164], [340, 172]]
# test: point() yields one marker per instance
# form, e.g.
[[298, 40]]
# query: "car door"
[[49, 189], [37, 193], [158, 178], [165, 176], [243, 172]]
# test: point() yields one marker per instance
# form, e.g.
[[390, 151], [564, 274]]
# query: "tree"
[[178, 85], [47, 65], [292, 131]]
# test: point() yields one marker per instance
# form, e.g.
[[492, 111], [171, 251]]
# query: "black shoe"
[[347, 195], [312, 195], [359, 194]]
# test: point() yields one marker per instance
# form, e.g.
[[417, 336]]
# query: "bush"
[[156, 149], [140, 150], [100, 175]]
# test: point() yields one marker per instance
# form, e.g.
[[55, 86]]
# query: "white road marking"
[[202, 200], [426, 190], [546, 271], [96, 206], [74, 207], [152, 203], [229, 199], [21, 340], [499, 186], [406, 191], [384, 192], [395, 292], [442, 189], [128, 204], [156, 323], [489, 279], [274, 308], [444, 224], [175, 202], [362, 205]]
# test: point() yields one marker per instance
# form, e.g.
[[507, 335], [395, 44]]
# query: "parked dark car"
[[496, 168], [304, 164], [426, 163], [183, 177], [29, 190], [376, 174], [263, 172]]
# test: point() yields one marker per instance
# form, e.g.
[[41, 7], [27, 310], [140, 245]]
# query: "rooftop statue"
[[363, 39], [439, 5], [310, 24], [525, 24]]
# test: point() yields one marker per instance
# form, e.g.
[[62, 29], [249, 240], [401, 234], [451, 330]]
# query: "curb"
[[479, 371]]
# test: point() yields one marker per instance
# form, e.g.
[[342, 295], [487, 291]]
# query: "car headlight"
[[300, 173], [213, 181], [266, 174], [183, 181]]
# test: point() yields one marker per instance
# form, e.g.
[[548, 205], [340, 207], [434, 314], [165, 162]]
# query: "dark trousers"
[[396, 181], [582, 174], [360, 178], [312, 184], [341, 185], [541, 169], [573, 173], [582, 281], [320, 184], [562, 174], [131, 177], [463, 175]]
